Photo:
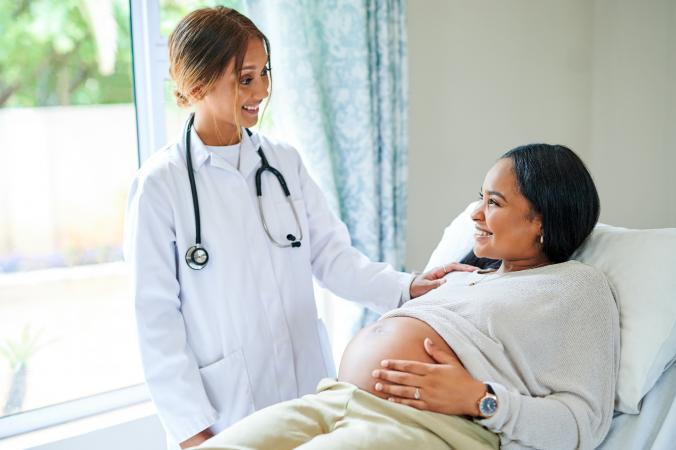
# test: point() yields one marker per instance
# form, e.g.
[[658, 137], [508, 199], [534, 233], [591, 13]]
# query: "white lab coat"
[[242, 333]]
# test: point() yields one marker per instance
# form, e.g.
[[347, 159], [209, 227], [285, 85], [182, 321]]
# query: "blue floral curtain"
[[340, 93]]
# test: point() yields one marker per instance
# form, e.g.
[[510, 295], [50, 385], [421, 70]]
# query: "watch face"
[[488, 406]]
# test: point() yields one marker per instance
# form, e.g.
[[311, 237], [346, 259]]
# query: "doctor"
[[224, 231]]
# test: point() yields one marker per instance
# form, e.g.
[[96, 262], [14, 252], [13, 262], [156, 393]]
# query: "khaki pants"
[[340, 416]]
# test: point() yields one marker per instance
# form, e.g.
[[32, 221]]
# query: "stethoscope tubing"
[[191, 176], [197, 257]]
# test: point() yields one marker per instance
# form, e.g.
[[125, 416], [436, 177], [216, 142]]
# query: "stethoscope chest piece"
[[197, 257]]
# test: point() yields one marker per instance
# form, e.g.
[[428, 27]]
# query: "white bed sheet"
[[655, 427]]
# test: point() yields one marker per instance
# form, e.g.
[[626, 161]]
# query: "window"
[[68, 152], [71, 138]]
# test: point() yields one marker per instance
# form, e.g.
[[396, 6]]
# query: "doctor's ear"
[[197, 92]]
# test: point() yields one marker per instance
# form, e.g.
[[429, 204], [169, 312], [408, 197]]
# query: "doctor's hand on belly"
[[445, 386], [425, 282]]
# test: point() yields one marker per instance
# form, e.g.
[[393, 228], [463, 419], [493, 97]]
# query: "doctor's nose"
[[262, 89]]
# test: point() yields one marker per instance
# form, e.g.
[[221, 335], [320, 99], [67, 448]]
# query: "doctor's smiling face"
[[235, 98], [220, 62]]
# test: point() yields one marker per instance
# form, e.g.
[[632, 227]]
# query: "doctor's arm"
[[170, 368], [346, 271]]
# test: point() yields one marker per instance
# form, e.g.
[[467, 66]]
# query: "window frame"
[[150, 61], [149, 72], [36, 419]]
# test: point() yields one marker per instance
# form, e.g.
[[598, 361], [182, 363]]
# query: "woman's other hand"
[[434, 278], [197, 439], [445, 387]]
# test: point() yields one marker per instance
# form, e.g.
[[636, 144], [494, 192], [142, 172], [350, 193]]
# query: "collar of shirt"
[[248, 161]]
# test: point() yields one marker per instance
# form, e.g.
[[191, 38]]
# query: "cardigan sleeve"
[[577, 410]]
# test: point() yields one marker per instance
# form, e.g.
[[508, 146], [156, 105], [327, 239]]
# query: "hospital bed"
[[641, 267], [655, 427]]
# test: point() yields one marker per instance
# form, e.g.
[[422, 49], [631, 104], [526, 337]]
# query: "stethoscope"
[[197, 256]]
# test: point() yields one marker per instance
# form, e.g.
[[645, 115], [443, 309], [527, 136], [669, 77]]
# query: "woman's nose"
[[477, 214]]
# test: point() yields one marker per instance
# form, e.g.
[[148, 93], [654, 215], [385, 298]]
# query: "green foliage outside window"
[[51, 55], [69, 52]]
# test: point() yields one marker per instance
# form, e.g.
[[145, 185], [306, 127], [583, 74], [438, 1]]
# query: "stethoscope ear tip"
[[294, 243]]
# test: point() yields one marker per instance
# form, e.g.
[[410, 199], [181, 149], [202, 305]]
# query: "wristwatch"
[[488, 404]]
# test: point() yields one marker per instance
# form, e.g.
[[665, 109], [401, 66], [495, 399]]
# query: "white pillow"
[[457, 241], [641, 266]]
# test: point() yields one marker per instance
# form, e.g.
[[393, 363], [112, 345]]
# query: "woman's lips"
[[481, 235], [251, 110]]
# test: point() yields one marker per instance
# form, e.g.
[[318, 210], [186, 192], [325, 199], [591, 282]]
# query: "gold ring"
[[416, 395]]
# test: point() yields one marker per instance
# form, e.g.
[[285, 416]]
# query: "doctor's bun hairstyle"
[[203, 44], [561, 191]]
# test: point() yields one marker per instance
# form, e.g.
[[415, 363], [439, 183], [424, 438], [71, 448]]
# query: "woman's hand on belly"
[[445, 387]]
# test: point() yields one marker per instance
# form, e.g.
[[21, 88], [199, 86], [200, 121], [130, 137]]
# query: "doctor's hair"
[[203, 44], [561, 191]]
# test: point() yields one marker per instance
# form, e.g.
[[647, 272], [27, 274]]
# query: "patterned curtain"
[[339, 94]]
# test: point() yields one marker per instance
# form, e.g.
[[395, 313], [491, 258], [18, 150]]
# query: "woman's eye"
[[490, 200], [265, 72], [246, 81]]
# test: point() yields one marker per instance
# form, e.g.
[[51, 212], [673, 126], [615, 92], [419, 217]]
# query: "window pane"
[[68, 153]]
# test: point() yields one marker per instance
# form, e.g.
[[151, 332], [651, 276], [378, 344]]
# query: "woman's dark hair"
[[560, 189]]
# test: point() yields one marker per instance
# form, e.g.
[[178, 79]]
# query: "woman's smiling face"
[[506, 226], [235, 98]]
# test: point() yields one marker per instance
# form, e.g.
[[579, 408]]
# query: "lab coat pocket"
[[327, 352], [227, 385]]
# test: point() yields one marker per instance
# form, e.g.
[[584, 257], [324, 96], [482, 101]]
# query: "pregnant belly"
[[391, 338]]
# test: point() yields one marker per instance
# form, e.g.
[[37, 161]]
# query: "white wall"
[[489, 75], [633, 119]]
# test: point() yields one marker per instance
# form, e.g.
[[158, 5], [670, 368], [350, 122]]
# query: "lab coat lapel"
[[249, 159], [199, 152]]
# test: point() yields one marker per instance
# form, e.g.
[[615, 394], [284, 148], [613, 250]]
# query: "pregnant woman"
[[524, 355]]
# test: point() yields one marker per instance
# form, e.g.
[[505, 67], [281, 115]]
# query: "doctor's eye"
[[481, 196]]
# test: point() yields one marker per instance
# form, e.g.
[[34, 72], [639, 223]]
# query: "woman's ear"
[[196, 92], [537, 225]]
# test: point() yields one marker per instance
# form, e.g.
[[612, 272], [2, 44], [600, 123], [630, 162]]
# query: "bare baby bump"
[[391, 338]]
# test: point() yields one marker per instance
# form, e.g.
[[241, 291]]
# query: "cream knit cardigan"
[[546, 339]]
